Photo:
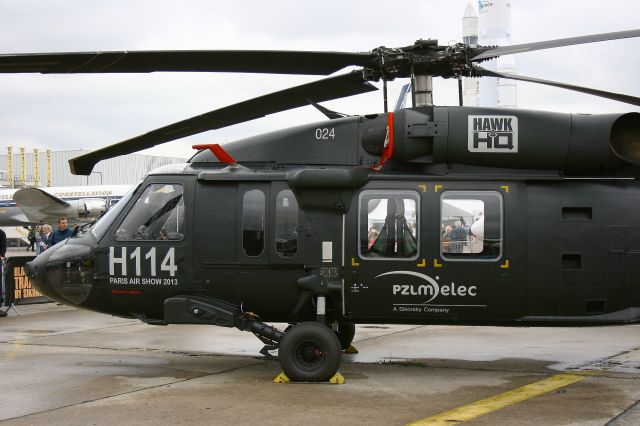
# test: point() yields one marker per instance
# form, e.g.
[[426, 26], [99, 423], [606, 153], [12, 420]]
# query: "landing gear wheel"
[[310, 352], [346, 332]]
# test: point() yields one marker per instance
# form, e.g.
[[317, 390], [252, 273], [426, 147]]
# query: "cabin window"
[[471, 225], [158, 214], [286, 234], [388, 224], [253, 210]]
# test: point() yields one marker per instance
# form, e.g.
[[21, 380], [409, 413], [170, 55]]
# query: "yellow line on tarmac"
[[15, 348], [485, 406]]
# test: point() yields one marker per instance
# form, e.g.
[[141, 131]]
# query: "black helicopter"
[[426, 215]]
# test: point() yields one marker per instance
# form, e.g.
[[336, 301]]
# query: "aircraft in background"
[[79, 204]]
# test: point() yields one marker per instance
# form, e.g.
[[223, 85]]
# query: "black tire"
[[310, 352], [346, 332]]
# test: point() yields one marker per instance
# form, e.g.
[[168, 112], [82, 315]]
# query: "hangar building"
[[19, 168]]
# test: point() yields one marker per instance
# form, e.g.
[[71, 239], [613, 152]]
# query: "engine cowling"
[[88, 208], [572, 144]]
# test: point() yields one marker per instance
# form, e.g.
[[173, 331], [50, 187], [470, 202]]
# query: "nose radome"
[[37, 273], [63, 273]]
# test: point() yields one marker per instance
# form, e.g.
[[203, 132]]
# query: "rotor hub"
[[424, 57]]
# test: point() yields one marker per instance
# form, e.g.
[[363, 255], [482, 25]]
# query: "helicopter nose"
[[37, 272], [63, 273]]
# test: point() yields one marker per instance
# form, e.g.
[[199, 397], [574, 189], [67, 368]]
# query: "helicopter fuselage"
[[427, 215], [473, 245]]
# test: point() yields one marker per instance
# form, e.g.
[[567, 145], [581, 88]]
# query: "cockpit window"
[[104, 223], [158, 214], [286, 224], [253, 212]]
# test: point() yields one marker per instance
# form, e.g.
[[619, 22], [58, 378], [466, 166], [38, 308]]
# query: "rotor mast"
[[421, 80], [421, 90]]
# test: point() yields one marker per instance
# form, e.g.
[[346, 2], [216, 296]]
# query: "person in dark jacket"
[[31, 236], [3, 244], [62, 233], [45, 238], [3, 252], [458, 237]]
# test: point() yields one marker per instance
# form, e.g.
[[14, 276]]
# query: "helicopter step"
[[207, 310]]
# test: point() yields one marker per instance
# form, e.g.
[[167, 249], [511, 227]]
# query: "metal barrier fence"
[[471, 246]]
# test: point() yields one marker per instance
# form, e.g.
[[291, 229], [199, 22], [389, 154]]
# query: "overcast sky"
[[62, 112]]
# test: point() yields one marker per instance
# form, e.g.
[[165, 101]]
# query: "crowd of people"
[[42, 237]]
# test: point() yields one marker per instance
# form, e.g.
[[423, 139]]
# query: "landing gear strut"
[[307, 351]]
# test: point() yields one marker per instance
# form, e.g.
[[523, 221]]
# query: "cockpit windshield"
[[103, 224], [158, 214]]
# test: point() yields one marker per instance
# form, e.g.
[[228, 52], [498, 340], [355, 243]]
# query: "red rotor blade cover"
[[222, 155]]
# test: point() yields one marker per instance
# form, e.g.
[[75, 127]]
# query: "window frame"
[[469, 193], [386, 193], [275, 223], [132, 204], [264, 219]]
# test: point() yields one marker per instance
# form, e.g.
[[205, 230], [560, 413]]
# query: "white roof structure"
[[124, 170]]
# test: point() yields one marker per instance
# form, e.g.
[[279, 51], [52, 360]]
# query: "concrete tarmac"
[[60, 365]]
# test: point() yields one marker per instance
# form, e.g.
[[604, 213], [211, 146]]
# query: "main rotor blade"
[[250, 61], [318, 91], [528, 47], [601, 93]]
